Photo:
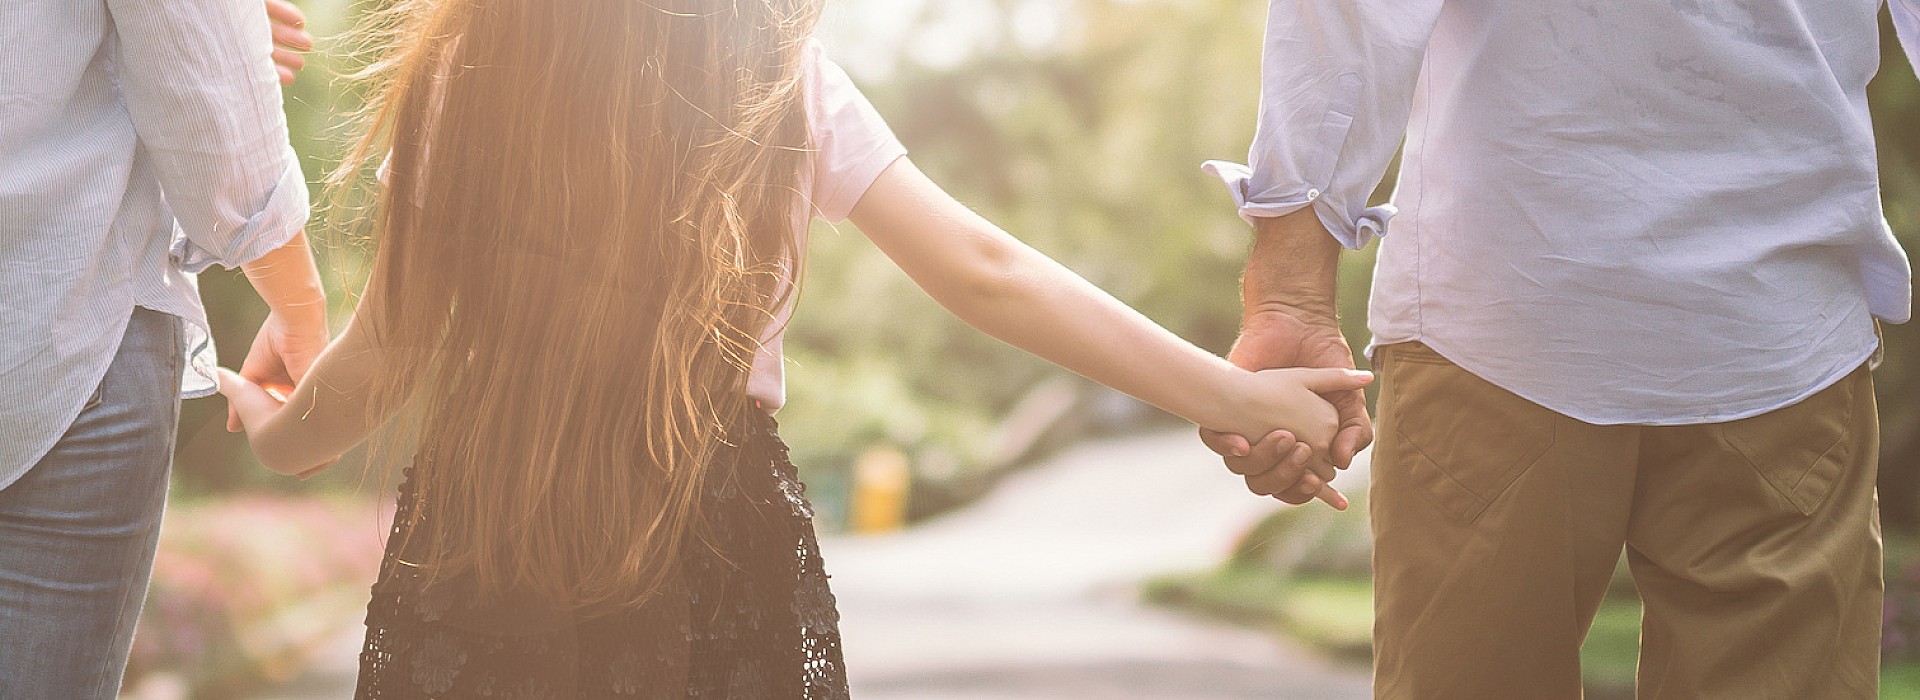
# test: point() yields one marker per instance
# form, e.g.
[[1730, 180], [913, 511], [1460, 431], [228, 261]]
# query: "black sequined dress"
[[753, 619]]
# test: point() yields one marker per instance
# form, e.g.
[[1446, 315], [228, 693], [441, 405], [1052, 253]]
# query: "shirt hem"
[[71, 413], [1845, 370]]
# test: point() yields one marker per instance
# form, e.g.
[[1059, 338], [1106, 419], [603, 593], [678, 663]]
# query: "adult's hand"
[[1279, 465], [1288, 294], [1277, 337], [295, 331], [290, 39], [283, 351], [1284, 338]]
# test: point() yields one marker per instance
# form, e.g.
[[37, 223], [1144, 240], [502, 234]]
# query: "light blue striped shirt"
[[140, 142]]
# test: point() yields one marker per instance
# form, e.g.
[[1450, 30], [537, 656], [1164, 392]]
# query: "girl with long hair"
[[592, 217]]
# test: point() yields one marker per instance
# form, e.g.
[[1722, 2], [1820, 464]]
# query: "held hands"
[[254, 407], [1278, 464], [282, 352], [1288, 407], [295, 333], [285, 349]]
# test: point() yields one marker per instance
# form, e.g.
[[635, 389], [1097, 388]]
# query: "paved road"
[[1031, 594]]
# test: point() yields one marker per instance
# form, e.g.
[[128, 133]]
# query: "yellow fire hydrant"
[[880, 480]]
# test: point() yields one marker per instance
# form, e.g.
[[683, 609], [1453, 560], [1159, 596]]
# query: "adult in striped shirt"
[[141, 141]]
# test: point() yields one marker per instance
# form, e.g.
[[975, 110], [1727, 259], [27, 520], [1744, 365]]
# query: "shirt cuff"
[[1355, 232], [284, 216]]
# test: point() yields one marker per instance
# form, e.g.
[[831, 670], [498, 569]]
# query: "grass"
[[1335, 616], [1329, 614], [1900, 682], [1612, 648]]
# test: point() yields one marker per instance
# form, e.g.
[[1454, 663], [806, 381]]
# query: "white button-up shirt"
[[140, 142], [1628, 211]]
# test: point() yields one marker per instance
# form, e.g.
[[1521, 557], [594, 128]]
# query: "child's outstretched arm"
[[1010, 291], [331, 411]]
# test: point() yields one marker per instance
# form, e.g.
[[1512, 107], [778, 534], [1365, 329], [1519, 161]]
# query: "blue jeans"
[[78, 531]]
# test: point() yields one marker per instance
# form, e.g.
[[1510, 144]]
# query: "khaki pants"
[[1497, 524]]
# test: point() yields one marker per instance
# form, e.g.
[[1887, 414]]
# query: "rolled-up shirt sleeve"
[[205, 100], [1337, 80]]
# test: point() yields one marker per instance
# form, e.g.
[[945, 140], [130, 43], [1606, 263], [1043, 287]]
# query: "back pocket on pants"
[[1466, 441]]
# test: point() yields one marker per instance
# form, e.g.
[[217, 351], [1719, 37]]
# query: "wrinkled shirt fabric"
[[1628, 211], [141, 141]]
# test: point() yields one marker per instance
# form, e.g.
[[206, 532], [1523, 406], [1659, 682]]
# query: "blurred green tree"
[[208, 459], [1085, 145], [1895, 95], [1084, 138]]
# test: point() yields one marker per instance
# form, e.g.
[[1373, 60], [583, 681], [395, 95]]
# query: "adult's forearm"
[[1294, 268], [288, 280]]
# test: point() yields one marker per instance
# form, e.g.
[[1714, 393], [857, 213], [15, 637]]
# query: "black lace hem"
[[754, 618]]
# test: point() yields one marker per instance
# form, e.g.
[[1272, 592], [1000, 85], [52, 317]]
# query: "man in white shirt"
[[140, 142], [1627, 300]]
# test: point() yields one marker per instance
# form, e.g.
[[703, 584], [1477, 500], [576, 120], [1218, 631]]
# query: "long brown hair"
[[586, 229]]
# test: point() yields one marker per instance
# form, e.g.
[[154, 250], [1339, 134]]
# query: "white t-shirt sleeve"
[[852, 145]]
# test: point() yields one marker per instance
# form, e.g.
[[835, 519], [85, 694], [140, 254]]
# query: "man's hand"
[[295, 331], [1277, 466], [1288, 295], [1277, 337], [254, 406], [290, 39], [282, 353]]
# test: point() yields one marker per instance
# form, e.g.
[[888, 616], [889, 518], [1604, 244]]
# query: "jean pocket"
[[1800, 450], [1464, 441]]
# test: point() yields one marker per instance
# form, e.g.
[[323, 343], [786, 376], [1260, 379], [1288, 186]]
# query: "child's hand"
[[1285, 409], [255, 405], [1291, 400]]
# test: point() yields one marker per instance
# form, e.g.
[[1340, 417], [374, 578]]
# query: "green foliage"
[[1087, 145], [1895, 97], [208, 459], [1329, 614], [1900, 683], [1089, 150]]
